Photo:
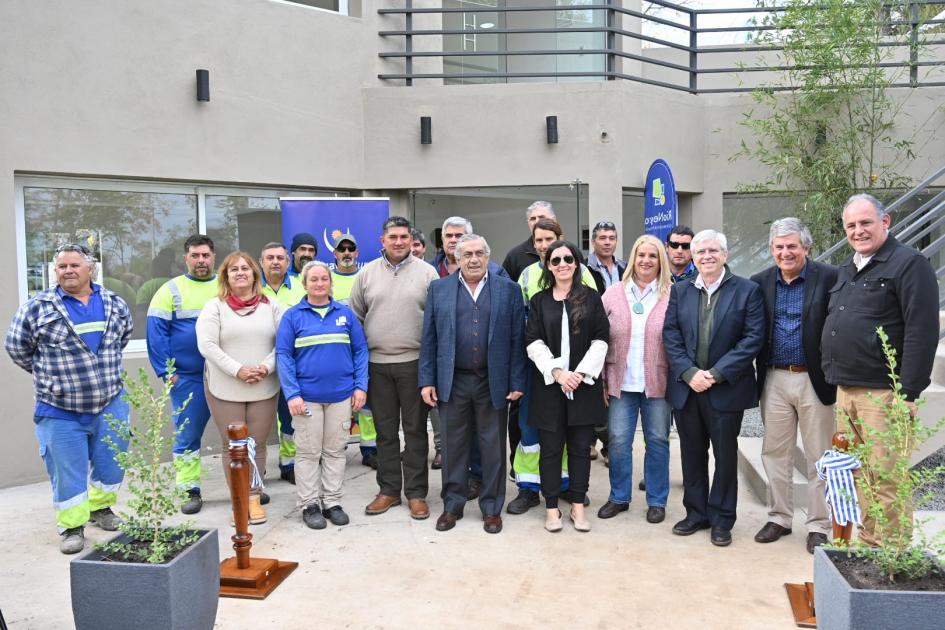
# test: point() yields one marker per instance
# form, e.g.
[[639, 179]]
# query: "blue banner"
[[326, 218], [660, 208]]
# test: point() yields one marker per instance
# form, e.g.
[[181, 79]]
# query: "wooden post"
[[239, 480], [242, 576], [801, 596], [843, 532]]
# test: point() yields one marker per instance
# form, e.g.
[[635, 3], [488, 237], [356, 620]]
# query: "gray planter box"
[[179, 595], [840, 606]]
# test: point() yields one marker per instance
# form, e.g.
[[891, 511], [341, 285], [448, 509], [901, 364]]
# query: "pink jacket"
[[654, 357]]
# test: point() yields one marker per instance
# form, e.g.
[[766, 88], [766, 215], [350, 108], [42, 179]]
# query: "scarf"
[[245, 307]]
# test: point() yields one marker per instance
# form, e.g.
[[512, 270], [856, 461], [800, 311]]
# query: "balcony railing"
[[478, 42]]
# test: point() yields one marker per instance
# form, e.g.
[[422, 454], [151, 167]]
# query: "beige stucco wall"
[[106, 88]]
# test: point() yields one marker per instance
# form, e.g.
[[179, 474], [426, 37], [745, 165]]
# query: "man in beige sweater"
[[389, 297]]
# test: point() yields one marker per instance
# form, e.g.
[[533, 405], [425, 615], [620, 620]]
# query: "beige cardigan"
[[229, 342]]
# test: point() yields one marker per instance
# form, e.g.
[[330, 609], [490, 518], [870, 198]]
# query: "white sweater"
[[229, 342]]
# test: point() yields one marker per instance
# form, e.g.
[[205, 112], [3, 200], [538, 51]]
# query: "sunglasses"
[[677, 245], [346, 248], [568, 259]]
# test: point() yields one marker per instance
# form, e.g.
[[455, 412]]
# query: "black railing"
[[601, 60]]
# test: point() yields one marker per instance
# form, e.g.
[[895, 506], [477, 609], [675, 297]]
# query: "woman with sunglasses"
[[566, 338], [635, 378]]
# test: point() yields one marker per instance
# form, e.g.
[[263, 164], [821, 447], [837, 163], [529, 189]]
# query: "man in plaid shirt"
[[70, 338]]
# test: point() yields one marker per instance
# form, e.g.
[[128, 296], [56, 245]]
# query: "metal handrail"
[[892, 208], [611, 52]]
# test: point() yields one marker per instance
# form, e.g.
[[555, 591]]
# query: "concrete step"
[[749, 464]]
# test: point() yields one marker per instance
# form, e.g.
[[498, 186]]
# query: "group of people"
[[539, 357]]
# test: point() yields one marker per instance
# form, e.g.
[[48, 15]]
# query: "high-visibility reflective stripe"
[[531, 448], [99, 499], [104, 487], [160, 313], [75, 516], [317, 340], [176, 298], [89, 327], [71, 502]]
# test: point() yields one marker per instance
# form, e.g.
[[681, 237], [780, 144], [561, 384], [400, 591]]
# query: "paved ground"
[[390, 572]]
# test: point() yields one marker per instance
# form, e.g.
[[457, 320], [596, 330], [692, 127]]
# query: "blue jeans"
[[622, 424]]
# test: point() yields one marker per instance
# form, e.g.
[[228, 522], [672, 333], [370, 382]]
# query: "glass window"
[[746, 223], [136, 237], [137, 230]]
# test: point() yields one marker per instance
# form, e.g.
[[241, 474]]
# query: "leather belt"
[[791, 368]]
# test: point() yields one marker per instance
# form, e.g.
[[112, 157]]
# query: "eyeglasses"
[[568, 259], [677, 245], [346, 248]]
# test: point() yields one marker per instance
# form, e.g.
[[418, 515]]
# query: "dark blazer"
[[820, 279], [544, 323], [738, 332], [506, 353]]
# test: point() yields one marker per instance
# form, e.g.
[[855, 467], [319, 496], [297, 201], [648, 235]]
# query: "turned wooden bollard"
[[239, 492], [243, 576], [841, 532]]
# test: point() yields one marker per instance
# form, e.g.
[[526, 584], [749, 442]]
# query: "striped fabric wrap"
[[836, 469], [250, 444]]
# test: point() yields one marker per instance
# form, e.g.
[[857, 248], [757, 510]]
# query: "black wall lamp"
[[203, 85], [426, 130], [551, 129]]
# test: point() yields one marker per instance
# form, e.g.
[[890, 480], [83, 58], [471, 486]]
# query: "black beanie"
[[303, 238]]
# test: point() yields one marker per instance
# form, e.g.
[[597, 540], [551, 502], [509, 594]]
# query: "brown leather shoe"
[[492, 524], [447, 521], [771, 532], [381, 504], [419, 509]]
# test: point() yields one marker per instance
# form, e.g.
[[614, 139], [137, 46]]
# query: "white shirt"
[[712, 288], [862, 261], [482, 283], [633, 380]]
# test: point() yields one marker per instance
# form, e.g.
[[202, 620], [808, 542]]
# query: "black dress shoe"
[[447, 521], [288, 475], [686, 527], [526, 500], [611, 509], [771, 532], [473, 488], [264, 498], [655, 514], [568, 496], [437, 462], [816, 539], [721, 537]]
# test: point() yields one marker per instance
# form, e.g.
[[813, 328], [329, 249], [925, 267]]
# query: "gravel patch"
[[753, 427]]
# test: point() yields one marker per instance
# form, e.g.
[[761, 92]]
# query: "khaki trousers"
[[257, 415], [855, 403], [320, 441], [789, 403]]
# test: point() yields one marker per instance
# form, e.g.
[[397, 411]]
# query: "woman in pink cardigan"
[[635, 375]]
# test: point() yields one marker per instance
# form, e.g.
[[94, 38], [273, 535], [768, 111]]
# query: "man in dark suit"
[[472, 363], [794, 393], [715, 326]]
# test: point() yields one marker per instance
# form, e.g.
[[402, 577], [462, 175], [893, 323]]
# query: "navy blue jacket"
[[505, 355], [738, 332]]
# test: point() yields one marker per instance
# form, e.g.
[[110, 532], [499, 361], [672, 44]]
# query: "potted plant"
[[901, 582], [152, 575]]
